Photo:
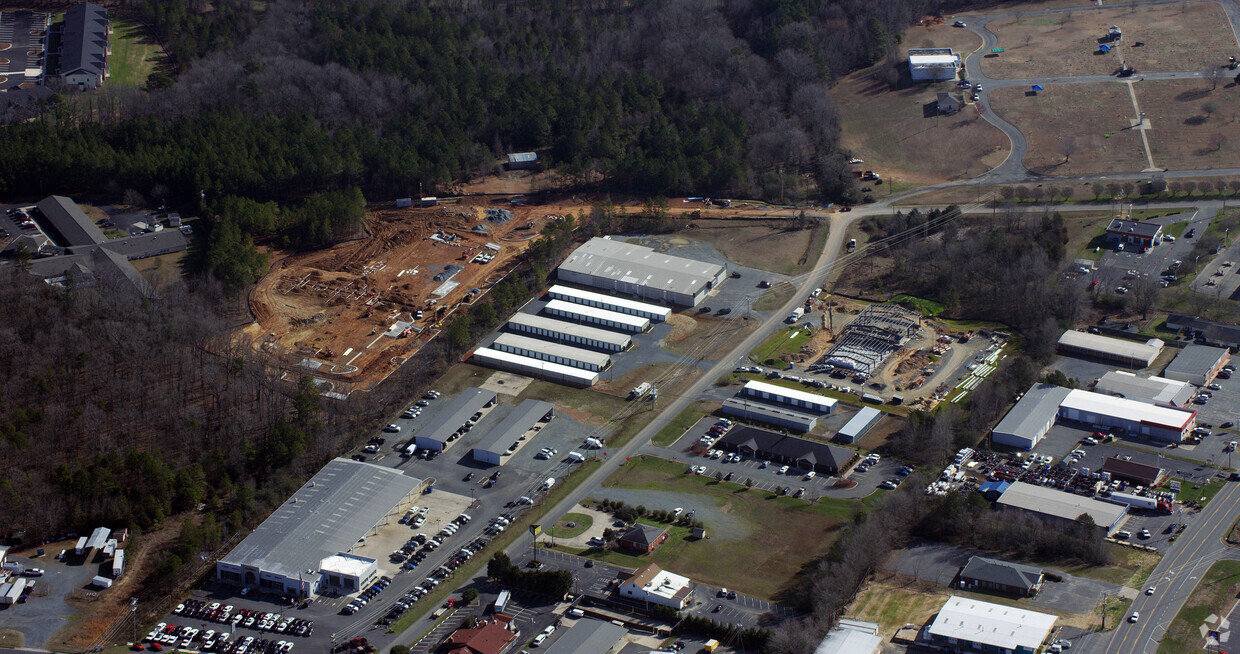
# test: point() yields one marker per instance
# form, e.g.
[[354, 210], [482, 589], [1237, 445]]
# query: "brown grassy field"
[[1176, 37], [1190, 125], [898, 135], [776, 246], [1094, 117]]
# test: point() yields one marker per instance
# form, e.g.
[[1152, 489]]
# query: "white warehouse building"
[[1120, 350], [562, 331], [1160, 423], [610, 302], [620, 267], [933, 64], [789, 397], [597, 316], [523, 365], [1030, 418], [567, 355]]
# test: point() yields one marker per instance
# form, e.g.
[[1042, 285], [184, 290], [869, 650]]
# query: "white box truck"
[[796, 315]]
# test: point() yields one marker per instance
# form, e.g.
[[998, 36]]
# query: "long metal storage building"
[[609, 302], [1160, 423], [743, 407], [568, 355], [597, 316], [562, 331], [620, 267], [11, 592], [440, 431], [509, 431], [524, 365], [1120, 350], [858, 425], [789, 396]]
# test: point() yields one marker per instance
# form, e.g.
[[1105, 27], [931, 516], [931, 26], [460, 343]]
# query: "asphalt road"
[[1183, 565]]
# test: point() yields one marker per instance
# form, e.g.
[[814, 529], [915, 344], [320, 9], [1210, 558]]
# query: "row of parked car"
[[185, 637], [249, 618], [371, 591]]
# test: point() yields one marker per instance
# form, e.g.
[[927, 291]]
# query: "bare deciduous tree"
[[1218, 140]]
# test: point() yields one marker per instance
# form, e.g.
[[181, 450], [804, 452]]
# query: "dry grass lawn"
[[1094, 117], [776, 246], [1190, 125], [1177, 37], [943, 35], [899, 135]]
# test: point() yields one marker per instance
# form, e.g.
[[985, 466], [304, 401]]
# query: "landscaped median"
[[518, 527], [1214, 596]]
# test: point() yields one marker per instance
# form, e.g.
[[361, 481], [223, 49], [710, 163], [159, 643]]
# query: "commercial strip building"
[[858, 425], [1027, 422], [1197, 364], [573, 357], [1062, 508], [445, 427], [748, 409], [589, 636], [969, 624], [1130, 354], [571, 333], [609, 302], [596, 316], [1161, 423], [532, 367], [932, 64], [639, 271], [797, 452], [321, 523], [1152, 390], [1001, 576], [791, 397], [651, 584], [508, 433]]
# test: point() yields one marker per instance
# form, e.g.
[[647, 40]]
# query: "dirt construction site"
[[352, 313]]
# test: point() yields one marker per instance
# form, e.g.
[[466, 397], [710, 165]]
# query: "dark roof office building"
[[85, 46], [1146, 234], [643, 538], [1131, 471], [68, 219], [1001, 576], [798, 452]]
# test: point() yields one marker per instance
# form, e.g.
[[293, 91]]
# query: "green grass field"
[[759, 562], [784, 341], [676, 428], [1193, 491], [572, 524], [926, 307], [1214, 595], [134, 54]]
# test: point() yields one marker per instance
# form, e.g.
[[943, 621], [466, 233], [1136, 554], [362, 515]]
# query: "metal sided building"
[[1128, 353], [610, 302], [1062, 507], [859, 424], [1153, 390], [965, 624], [935, 64], [344, 503], [567, 355], [1197, 364], [589, 636], [748, 409], [789, 396], [1030, 418], [533, 367], [442, 429], [1161, 423], [562, 331], [97, 541], [621, 267], [509, 431], [596, 316]]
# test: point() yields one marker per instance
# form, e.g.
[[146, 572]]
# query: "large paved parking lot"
[[26, 31]]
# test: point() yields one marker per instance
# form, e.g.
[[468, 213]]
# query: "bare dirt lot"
[[1176, 37], [1091, 119], [346, 307], [899, 133], [776, 246], [1191, 126]]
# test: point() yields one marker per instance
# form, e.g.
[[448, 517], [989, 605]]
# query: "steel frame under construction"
[[871, 337]]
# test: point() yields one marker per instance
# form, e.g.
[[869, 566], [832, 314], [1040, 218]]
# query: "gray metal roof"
[[329, 514], [1142, 228], [457, 413], [522, 157], [85, 40], [864, 419], [635, 264], [564, 327], [1060, 504], [98, 538], [68, 219], [1006, 573], [752, 407], [1146, 389], [1195, 360], [552, 348], [1039, 405], [517, 422], [588, 636]]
